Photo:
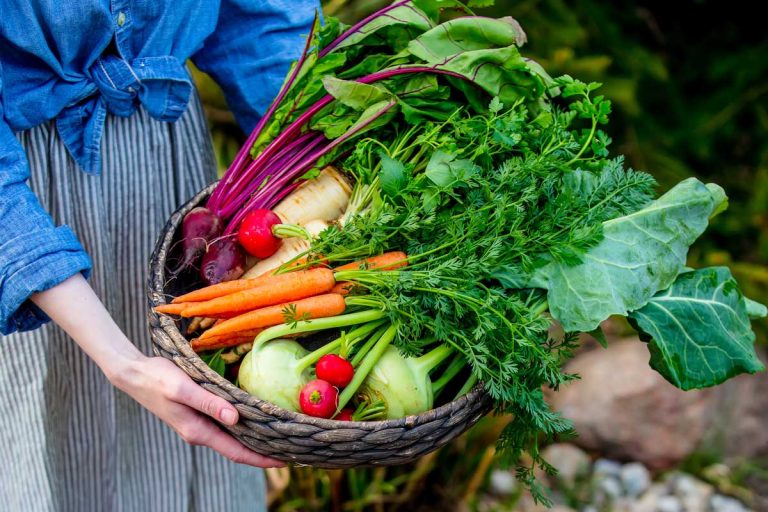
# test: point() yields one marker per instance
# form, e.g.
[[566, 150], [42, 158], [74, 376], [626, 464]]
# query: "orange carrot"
[[291, 286], [218, 290], [224, 340], [319, 306], [387, 261], [172, 309], [343, 287]]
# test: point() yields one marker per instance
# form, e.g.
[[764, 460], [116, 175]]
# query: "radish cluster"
[[320, 397]]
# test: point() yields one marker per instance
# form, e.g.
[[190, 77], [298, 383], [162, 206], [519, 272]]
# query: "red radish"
[[199, 227], [334, 369], [344, 415], [318, 398], [224, 261], [255, 233]]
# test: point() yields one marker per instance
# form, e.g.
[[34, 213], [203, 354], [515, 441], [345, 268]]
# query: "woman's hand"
[[154, 382], [160, 386]]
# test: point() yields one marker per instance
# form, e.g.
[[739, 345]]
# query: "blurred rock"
[[692, 492], [502, 483], [648, 502], [571, 462], [625, 410], [635, 479], [606, 467], [669, 504], [720, 503]]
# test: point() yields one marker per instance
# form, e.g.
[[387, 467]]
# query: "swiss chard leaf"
[[640, 254], [404, 13], [698, 330]]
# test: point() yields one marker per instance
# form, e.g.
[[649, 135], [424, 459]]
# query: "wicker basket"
[[289, 436]]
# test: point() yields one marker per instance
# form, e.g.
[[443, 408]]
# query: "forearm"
[[74, 306]]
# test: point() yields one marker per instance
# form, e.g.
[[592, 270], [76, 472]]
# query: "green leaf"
[[640, 254], [407, 14], [599, 336], [353, 94], [699, 330], [466, 34], [393, 177], [755, 309], [445, 171]]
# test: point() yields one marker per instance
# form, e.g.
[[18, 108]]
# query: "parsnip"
[[289, 249], [323, 198]]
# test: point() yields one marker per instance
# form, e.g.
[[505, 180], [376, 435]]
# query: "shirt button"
[[120, 19]]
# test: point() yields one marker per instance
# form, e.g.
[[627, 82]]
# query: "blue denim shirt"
[[76, 61]]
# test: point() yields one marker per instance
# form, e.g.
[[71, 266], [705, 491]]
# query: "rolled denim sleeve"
[[35, 255], [251, 50]]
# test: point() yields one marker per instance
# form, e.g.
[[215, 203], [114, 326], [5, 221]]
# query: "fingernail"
[[228, 416]]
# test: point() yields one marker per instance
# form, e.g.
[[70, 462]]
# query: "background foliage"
[[689, 83]]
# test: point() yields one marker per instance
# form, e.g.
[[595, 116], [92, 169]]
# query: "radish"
[[290, 248], [318, 398], [223, 261], [199, 228], [334, 369], [345, 415], [255, 233]]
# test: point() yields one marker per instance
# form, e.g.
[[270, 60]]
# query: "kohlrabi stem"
[[433, 358], [360, 354], [319, 324], [453, 369], [468, 385], [352, 337], [366, 366]]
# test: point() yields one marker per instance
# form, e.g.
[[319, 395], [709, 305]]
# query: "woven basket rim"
[[182, 345]]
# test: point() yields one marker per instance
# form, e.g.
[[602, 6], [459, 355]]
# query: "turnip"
[[223, 261], [199, 228], [318, 398]]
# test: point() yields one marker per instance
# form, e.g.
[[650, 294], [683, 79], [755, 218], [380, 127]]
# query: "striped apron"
[[69, 441]]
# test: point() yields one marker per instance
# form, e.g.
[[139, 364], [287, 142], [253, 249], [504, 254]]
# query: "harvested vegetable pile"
[[484, 208]]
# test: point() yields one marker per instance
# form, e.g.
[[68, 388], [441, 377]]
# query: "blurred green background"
[[689, 84]]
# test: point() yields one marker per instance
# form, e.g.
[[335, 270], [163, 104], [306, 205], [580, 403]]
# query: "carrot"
[[291, 286], [224, 340], [387, 261], [171, 309], [343, 287], [218, 290], [319, 306]]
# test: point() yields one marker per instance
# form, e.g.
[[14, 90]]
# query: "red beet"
[[335, 369], [199, 227], [255, 233], [224, 261], [318, 398]]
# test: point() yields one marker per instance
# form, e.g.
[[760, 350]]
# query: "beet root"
[[224, 261], [199, 228]]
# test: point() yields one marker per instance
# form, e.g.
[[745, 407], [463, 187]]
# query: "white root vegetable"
[[289, 249], [323, 198]]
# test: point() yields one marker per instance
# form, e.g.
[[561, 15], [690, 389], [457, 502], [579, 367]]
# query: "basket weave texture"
[[286, 435]]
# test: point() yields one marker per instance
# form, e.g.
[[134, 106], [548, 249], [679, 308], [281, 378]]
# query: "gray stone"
[[502, 483], [648, 502], [720, 503], [606, 467], [693, 493], [635, 478], [609, 488], [669, 504], [571, 462]]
